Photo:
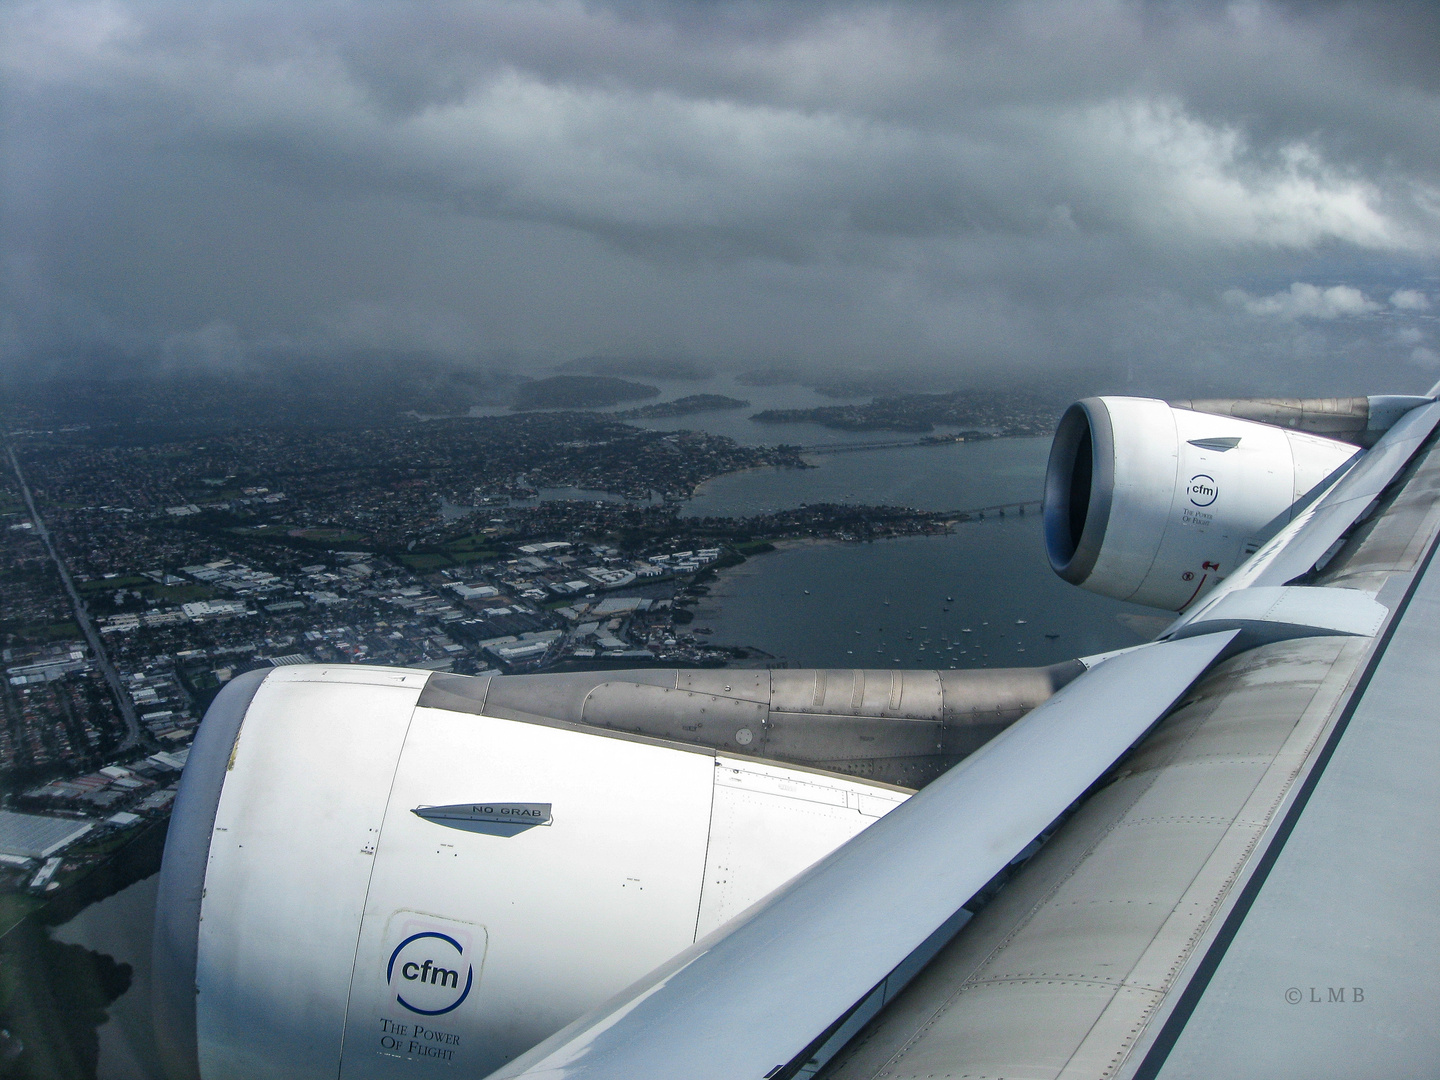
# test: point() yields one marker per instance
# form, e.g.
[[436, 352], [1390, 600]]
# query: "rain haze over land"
[[1165, 198]]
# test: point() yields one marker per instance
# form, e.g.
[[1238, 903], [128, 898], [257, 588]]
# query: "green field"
[[14, 907], [41, 633], [149, 589], [129, 581], [426, 562], [465, 558], [472, 542], [330, 536]]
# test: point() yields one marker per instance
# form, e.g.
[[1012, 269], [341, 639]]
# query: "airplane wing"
[[769, 985], [1246, 890]]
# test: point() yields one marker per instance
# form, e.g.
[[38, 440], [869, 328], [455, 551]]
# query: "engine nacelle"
[[369, 874], [1153, 504]]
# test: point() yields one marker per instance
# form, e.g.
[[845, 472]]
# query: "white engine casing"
[[1153, 504], [318, 889]]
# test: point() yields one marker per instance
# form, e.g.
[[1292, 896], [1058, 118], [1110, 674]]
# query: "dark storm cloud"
[[1192, 192]]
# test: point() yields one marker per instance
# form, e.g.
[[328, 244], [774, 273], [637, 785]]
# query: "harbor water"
[[980, 596]]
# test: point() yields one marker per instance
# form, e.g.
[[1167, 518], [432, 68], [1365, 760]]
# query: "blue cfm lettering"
[[431, 973]]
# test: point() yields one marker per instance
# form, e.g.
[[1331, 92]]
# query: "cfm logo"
[[430, 973], [1202, 490]]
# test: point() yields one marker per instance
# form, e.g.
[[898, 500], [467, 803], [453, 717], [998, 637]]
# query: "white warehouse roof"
[[36, 836]]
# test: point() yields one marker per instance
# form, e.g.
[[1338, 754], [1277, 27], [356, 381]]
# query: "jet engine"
[[1154, 504], [372, 871]]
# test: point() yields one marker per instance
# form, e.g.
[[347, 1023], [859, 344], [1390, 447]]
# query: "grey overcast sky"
[[1193, 195]]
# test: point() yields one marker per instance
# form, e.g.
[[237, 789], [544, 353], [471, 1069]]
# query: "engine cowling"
[[1153, 504], [368, 875], [347, 891]]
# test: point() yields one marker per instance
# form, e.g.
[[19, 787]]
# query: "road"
[[134, 736]]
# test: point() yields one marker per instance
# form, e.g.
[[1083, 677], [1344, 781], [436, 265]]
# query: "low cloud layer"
[[1239, 196], [1306, 301]]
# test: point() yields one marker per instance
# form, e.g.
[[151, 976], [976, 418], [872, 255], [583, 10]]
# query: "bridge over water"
[[997, 510], [856, 447]]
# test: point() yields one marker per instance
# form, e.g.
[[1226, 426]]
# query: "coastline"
[[699, 489], [930, 603], [709, 605]]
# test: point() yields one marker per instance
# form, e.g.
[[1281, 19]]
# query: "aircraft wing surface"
[[1241, 888], [1250, 894], [712, 1011]]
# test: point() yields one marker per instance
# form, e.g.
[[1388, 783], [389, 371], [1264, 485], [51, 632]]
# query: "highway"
[[133, 734]]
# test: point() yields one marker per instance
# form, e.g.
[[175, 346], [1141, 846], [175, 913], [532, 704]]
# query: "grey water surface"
[[946, 476]]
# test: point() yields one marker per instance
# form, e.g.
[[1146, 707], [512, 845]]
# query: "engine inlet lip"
[[182, 876], [1085, 424]]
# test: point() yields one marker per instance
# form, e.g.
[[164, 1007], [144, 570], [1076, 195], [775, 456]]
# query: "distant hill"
[[645, 367], [685, 406], [580, 392], [1000, 413]]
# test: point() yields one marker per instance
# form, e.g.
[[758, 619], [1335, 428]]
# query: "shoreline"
[[699, 489], [709, 605]]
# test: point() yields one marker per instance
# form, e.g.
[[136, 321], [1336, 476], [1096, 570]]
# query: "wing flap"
[[1065, 971]]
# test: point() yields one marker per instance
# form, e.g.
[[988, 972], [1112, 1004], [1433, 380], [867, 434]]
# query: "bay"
[[944, 476], [736, 423], [982, 596]]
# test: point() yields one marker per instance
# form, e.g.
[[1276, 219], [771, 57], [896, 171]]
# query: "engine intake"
[[1154, 504]]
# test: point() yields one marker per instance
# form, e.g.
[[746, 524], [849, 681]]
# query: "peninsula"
[[685, 406]]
